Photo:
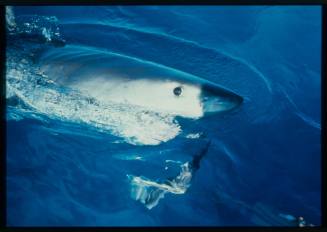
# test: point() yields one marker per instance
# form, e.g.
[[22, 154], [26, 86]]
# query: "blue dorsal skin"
[[109, 76]]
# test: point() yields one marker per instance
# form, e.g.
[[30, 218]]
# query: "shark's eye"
[[178, 91]]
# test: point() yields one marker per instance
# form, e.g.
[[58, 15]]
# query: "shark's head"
[[122, 79], [190, 99], [194, 99]]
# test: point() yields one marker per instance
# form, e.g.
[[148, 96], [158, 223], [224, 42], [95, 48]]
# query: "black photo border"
[[3, 3]]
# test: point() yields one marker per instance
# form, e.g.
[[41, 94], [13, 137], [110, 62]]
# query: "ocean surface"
[[73, 160]]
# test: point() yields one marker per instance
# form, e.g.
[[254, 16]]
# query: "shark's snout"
[[217, 99]]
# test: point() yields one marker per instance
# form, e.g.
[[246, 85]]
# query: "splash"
[[10, 18], [149, 192], [40, 29], [30, 91], [194, 135], [43, 96]]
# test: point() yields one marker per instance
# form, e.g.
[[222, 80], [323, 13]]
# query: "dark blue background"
[[263, 160]]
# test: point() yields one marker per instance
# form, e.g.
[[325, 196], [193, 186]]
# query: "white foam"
[[10, 17], [194, 136], [135, 124], [46, 33], [149, 192]]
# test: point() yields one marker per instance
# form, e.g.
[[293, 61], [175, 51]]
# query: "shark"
[[110, 76]]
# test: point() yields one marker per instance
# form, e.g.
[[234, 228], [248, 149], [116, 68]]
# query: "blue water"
[[75, 162]]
